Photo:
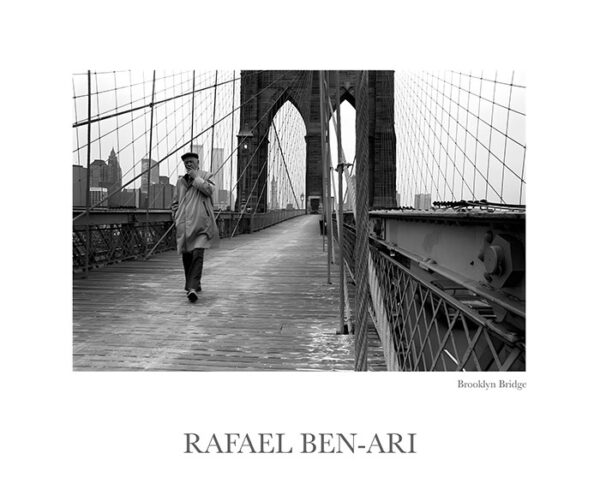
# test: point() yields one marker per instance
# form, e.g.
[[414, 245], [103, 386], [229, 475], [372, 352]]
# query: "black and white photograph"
[[311, 247], [202, 242]]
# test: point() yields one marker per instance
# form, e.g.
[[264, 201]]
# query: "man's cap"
[[190, 154]]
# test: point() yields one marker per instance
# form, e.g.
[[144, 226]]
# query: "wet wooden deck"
[[265, 305]]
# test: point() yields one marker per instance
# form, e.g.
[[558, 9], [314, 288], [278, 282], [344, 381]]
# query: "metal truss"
[[119, 242], [438, 328], [110, 243]]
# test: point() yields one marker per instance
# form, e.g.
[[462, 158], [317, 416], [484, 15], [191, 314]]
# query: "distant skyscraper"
[[114, 178], [274, 204], [98, 196], [114, 175], [79, 183], [422, 201], [199, 150], [107, 175], [97, 172], [161, 196], [153, 174], [216, 167], [129, 198], [217, 171]]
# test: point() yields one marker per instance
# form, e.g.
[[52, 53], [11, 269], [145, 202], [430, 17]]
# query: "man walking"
[[195, 222]]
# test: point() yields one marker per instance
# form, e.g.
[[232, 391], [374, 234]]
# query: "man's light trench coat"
[[193, 214]]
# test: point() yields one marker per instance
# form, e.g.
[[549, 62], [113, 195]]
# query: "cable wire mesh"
[[461, 136]]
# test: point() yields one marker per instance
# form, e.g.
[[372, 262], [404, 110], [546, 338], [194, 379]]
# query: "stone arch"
[[291, 154], [344, 96], [264, 92], [278, 104]]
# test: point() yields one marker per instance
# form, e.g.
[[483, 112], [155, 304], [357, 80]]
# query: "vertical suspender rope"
[[487, 174], [232, 130], [286, 167], [155, 130], [172, 226], [150, 161], [340, 212], [512, 79], [322, 164], [212, 137], [345, 313], [250, 194], [332, 202], [98, 110], [477, 134], [132, 136], [325, 171], [119, 179], [88, 242], [169, 154], [328, 178], [193, 100], [361, 249], [76, 119]]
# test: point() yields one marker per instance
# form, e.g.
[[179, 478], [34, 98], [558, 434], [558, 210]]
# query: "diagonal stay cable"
[[454, 142], [285, 165], [160, 141], [265, 114], [249, 197], [459, 147], [151, 166], [275, 102], [107, 133], [119, 87], [411, 117], [489, 124], [492, 100], [165, 100], [219, 213], [103, 116]]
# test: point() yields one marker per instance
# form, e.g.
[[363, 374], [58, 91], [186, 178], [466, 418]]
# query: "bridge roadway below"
[[265, 305]]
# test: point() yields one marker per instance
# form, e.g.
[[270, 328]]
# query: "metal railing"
[[263, 220], [111, 243], [233, 223], [119, 240], [433, 329]]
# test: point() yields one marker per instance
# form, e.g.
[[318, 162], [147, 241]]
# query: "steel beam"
[[481, 251]]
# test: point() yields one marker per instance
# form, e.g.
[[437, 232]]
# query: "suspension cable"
[[159, 102], [180, 147], [285, 164]]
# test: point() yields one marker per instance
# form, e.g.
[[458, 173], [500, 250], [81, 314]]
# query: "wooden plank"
[[265, 305]]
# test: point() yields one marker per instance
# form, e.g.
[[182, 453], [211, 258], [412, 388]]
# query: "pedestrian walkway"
[[265, 305]]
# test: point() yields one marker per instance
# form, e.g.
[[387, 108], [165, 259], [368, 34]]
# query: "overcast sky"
[[445, 145]]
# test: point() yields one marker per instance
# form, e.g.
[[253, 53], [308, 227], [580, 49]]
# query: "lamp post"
[[244, 137], [302, 200]]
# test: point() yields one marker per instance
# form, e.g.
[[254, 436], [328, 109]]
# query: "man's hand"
[[192, 173]]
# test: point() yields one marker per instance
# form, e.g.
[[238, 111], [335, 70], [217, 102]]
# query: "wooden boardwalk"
[[265, 305]]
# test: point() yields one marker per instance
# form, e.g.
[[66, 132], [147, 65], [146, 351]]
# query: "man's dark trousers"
[[192, 265]]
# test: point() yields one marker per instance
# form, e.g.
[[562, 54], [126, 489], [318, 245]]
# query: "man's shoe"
[[192, 296]]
